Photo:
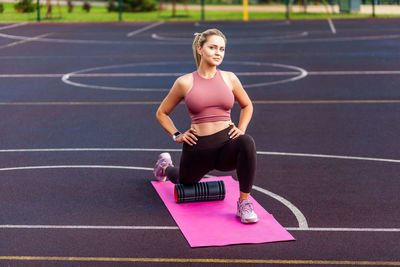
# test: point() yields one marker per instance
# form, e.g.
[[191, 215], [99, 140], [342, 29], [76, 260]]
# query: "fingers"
[[231, 131], [235, 132], [188, 137]]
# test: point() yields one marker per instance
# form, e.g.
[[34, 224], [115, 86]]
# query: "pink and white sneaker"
[[164, 160], [245, 212]]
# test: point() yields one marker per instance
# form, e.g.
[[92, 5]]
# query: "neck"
[[207, 72]]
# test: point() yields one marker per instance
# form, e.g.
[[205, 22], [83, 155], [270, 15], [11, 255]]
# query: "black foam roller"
[[204, 191]]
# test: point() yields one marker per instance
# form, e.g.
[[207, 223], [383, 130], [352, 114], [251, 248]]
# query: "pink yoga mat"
[[215, 223]]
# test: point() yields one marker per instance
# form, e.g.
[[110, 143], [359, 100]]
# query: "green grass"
[[100, 14]]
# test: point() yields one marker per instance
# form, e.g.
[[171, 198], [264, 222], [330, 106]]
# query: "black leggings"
[[217, 152]]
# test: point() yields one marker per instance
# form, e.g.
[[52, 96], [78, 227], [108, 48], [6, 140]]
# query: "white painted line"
[[44, 75], [361, 72], [84, 42], [75, 166], [175, 74], [327, 156], [185, 41], [179, 150], [158, 37], [237, 40], [300, 73], [66, 79], [344, 39], [267, 102], [299, 215], [105, 42], [129, 227], [81, 103], [301, 219], [303, 225], [285, 40], [145, 28], [24, 41], [272, 38], [332, 229], [90, 149], [12, 26], [332, 26], [144, 74], [90, 227], [208, 25]]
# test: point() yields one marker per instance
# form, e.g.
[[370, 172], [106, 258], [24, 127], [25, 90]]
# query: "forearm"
[[245, 117], [166, 122]]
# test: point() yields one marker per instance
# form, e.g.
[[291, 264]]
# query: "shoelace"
[[165, 163], [247, 208]]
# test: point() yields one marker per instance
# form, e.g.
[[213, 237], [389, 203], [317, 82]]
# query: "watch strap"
[[175, 135]]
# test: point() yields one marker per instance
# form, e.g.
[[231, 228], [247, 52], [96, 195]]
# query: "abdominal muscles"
[[208, 128]]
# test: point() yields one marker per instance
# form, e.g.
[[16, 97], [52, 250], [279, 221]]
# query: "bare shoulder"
[[182, 85], [185, 81], [226, 74], [230, 78]]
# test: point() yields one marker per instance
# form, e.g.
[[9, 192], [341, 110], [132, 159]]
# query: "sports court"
[[79, 140]]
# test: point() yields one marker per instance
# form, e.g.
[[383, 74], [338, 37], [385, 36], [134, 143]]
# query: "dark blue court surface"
[[79, 140]]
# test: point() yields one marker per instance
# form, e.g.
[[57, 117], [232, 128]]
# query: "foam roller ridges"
[[204, 191]]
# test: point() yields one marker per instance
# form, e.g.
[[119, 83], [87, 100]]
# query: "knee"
[[247, 143]]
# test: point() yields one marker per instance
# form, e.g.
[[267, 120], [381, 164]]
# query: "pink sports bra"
[[209, 100]]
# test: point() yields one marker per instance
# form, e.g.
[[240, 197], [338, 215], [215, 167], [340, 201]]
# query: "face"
[[213, 50]]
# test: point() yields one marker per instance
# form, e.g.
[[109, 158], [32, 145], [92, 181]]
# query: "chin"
[[213, 63]]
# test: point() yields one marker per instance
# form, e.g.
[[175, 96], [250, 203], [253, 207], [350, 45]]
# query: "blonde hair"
[[201, 38]]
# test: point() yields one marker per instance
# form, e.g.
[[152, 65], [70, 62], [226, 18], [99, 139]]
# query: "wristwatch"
[[175, 135]]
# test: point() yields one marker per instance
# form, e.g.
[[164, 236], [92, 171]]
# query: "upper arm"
[[238, 91], [175, 95]]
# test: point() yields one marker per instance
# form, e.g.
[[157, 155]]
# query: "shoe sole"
[[247, 221]]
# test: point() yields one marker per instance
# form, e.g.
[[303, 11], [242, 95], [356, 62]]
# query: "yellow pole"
[[245, 12]]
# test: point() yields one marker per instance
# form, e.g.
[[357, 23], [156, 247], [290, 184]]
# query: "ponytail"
[[200, 39], [197, 57]]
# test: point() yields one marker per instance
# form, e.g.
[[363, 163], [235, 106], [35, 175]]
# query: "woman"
[[213, 141]]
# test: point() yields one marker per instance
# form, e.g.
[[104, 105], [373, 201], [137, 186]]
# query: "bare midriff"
[[209, 128]]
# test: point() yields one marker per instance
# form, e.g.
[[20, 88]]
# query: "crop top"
[[209, 100]]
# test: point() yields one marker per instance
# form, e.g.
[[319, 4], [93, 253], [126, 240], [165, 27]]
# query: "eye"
[[222, 49]]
